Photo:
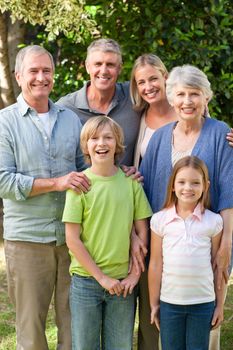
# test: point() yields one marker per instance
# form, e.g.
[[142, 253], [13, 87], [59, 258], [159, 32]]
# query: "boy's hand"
[[129, 283], [217, 317], [112, 285], [133, 172], [154, 316]]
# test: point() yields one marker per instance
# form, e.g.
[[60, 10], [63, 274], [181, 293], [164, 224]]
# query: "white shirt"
[[45, 119], [187, 276], [146, 139]]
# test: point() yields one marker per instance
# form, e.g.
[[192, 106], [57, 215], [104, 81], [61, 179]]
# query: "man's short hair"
[[31, 49], [105, 45]]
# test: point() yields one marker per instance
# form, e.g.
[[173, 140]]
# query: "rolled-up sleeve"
[[13, 185]]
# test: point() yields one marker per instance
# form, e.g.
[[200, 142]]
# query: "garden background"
[[197, 32]]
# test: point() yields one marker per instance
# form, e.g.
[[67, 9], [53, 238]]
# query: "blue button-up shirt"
[[27, 153]]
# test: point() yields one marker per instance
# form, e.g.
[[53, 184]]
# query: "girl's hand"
[[112, 285], [154, 316], [129, 283], [217, 317]]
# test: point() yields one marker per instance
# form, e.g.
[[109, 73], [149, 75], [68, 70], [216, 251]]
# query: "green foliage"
[[199, 33], [57, 16]]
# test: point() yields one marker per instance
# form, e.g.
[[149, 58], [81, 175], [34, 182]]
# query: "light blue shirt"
[[27, 153]]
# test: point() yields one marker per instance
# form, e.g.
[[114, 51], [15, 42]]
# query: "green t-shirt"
[[106, 214]]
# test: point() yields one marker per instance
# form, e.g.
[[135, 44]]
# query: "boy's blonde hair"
[[188, 162], [97, 123]]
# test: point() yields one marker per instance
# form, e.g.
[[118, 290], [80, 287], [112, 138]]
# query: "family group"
[[116, 198]]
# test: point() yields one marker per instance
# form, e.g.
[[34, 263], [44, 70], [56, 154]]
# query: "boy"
[[98, 227]]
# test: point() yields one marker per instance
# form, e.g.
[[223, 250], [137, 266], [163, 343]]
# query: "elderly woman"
[[188, 91]]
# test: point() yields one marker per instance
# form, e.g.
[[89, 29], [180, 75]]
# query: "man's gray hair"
[[31, 49], [188, 76], [104, 45]]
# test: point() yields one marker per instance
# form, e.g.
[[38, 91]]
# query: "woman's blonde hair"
[[97, 123], [147, 59], [194, 163]]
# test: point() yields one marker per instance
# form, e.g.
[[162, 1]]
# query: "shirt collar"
[[82, 97], [24, 108], [172, 214], [83, 102]]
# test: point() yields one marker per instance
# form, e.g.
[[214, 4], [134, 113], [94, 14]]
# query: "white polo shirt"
[[187, 276]]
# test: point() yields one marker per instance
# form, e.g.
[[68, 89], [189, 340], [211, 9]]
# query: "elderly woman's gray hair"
[[31, 49], [104, 45], [188, 76]]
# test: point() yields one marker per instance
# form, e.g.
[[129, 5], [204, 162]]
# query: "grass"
[[7, 319]]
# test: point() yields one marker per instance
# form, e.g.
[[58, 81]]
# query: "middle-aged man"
[[103, 95], [40, 156]]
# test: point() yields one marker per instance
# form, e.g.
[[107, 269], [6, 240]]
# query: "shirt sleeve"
[[13, 185], [73, 210], [218, 225], [142, 209], [224, 168], [80, 162], [154, 224]]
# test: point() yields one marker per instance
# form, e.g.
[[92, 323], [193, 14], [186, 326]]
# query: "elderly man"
[[40, 156], [103, 95]]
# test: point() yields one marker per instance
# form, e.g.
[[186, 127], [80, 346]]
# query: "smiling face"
[[150, 84], [101, 146], [104, 69], [36, 78], [188, 186], [189, 102]]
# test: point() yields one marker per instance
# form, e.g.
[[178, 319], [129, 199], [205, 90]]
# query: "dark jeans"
[[185, 327]]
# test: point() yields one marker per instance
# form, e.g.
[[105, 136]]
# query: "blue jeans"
[[99, 320], [185, 327]]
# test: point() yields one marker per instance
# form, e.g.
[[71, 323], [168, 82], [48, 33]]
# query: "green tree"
[[54, 17], [199, 33]]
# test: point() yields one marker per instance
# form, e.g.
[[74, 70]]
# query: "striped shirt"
[[187, 276]]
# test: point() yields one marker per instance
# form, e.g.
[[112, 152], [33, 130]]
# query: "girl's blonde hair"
[[147, 59], [188, 162], [97, 123]]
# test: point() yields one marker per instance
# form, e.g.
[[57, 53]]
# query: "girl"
[[98, 227], [184, 240]]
